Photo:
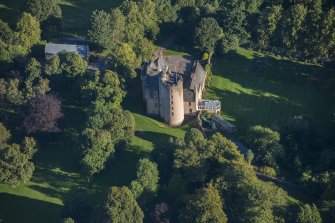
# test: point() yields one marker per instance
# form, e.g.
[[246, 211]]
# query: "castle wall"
[[152, 102], [190, 107], [171, 102]]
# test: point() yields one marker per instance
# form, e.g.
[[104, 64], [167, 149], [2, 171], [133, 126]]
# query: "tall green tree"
[[267, 24], [6, 33], [103, 131], [100, 31], [73, 65], [232, 18], [42, 9], [103, 91], [118, 26], [292, 26], [16, 166], [121, 206], [204, 206], [135, 28], [147, 176], [28, 31], [309, 214], [124, 59], [52, 66], [265, 143], [207, 34]]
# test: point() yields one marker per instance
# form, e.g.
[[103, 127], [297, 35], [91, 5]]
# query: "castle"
[[172, 88]]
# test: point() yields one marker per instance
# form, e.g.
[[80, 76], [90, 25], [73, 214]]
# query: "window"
[[190, 110], [172, 108], [190, 103], [171, 102], [172, 113]]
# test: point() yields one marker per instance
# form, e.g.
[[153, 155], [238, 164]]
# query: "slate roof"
[[156, 67], [198, 77], [54, 48], [178, 64]]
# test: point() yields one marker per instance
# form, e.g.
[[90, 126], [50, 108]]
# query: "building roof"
[[179, 64], [198, 76], [209, 104], [54, 48], [156, 66]]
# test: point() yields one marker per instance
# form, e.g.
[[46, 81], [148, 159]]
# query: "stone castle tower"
[[174, 93], [171, 98]]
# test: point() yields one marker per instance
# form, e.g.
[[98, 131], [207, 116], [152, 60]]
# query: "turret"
[[171, 98]]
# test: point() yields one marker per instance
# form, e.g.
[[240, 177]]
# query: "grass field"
[[274, 94]]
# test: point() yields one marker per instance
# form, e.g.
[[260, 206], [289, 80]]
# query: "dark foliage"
[[161, 213], [43, 114]]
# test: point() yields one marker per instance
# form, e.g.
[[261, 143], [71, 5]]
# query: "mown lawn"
[[273, 93]]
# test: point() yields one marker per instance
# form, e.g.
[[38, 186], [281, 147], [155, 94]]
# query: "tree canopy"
[[42, 9], [15, 160], [43, 113], [120, 206], [204, 206]]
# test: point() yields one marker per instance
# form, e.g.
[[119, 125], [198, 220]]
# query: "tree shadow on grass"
[[17, 209], [11, 10], [272, 95]]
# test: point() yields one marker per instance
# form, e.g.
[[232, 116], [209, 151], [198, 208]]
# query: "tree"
[[100, 31], [177, 186], [207, 35], [34, 83], [312, 34], [124, 59], [204, 206], [145, 49], [43, 114], [4, 135], [68, 220], [42, 9], [292, 26], [309, 214], [120, 206], [14, 95], [247, 199], [6, 33], [191, 157], [104, 92], [118, 26], [28, 31], [135, 28], [73, 65], [249, 156], [147, 175], [265, 143], [267, 24], [232, 18], [149, 18], [161, 213], [103, 131], [15, 160], [52, 66]]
